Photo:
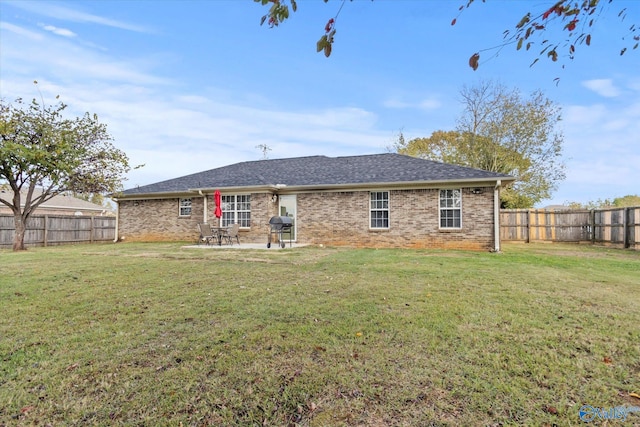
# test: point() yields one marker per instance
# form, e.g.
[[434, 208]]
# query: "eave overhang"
[[288, 189]]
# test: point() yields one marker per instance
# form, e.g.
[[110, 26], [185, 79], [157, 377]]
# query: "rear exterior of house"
[[385, 200]]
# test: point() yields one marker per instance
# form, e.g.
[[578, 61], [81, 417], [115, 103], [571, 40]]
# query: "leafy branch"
[[576, 18], [279, 12]]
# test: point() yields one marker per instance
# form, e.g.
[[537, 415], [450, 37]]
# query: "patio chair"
[[231, 233], [206, 234]]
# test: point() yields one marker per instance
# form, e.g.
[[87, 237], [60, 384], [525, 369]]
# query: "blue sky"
[[186, 86]]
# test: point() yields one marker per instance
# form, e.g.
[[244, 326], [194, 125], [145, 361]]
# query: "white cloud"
[[52, 10], [601, 151], [17, 30], [178, 134], [59, 31], [603, 87], [67, 60], [590, 180], [584, 115], [173, 139]]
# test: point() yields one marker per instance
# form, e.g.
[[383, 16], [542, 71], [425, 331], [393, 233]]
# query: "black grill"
[[277, 226]]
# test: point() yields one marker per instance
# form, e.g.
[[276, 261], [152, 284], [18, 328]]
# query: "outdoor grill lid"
[[280, 220]]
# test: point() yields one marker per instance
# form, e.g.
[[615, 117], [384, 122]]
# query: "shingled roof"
[[65, 202], [322, 172]]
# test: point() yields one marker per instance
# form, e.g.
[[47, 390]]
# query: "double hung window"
[[379, 209], [185, 207], [451, 208], [236, 209]]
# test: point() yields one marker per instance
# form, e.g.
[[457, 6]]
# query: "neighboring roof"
[[60, 202], [321, 172], [557, 208]]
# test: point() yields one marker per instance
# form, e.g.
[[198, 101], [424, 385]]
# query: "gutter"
[[281, 188], [286, 189], [115, 239], [204, 214], [159, 195], [496, 216]]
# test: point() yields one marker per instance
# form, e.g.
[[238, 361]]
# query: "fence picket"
[[615, 226], [46, 230]]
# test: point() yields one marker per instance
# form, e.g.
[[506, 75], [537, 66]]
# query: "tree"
[[39, 148], [618, 202], [627, 201], [464, 148], [500, 131], [575, 19], [95, 198]]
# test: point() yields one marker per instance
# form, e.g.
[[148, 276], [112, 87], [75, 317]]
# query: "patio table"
[[219, 233]]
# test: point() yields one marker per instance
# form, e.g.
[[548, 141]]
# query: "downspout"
[[204, 214], [496, 216], [115, 239]]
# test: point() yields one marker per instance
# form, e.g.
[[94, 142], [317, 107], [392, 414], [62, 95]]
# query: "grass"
[[153, 334]]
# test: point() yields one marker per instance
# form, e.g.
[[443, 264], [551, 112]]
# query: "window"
[[236, 209], [450, 208], [185, 207], [379, 209]]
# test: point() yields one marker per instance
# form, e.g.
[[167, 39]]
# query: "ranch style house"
[[380, 200]]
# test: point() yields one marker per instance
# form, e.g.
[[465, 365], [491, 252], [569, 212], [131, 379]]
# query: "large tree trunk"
[[18, 237]]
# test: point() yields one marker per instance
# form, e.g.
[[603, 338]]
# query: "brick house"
[[381, 200]]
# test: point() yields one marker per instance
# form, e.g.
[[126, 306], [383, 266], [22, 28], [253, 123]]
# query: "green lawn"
[[154, 334]]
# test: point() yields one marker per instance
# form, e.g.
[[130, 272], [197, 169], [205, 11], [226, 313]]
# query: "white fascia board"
[[409, 185], [286, 189]]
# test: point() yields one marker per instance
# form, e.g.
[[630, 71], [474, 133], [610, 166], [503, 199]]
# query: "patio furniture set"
[[211, 234]]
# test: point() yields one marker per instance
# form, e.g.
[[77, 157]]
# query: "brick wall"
[[334, 219], [343, 219], [158, 220]]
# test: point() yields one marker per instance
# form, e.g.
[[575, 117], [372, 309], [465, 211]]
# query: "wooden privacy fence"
[[45, 230], [616, 226]]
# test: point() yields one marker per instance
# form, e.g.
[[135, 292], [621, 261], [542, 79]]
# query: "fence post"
[[92, 228], [46, 229], [596, 226], [625, 227]]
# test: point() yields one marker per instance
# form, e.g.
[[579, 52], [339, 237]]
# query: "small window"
[[185, 207], [379, 209], [236, 210], [451, 208]]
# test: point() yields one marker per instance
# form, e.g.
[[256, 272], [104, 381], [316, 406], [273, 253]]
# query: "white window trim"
[[440, 210], [235, 195], [388, 209], [180, 206]]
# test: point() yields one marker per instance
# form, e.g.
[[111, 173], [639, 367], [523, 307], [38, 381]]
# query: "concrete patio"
[[274, 246]]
